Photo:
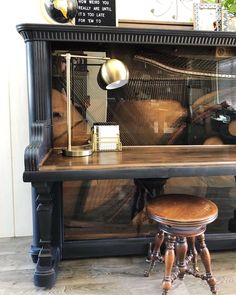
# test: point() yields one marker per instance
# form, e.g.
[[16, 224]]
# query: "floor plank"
[[113, 276]]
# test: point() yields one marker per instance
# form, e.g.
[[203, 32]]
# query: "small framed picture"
[[207, 17]]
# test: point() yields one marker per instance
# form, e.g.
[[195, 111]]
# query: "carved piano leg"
[[35, 246], [48, 257]]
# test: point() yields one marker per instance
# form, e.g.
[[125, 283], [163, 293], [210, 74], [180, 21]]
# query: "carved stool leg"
[[155, 255], [193, 251], [181, 251], [169, 261], [206, 260]]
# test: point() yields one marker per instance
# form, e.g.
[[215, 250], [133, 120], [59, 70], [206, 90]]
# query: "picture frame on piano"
[[207, 17]]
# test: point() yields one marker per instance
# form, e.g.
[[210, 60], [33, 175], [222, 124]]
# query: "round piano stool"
[[182, 220]]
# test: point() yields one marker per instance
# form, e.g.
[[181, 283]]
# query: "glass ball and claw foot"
[[177, 250], [155, 253]]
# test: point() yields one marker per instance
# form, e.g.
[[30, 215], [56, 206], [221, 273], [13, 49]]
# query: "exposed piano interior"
[[176, 95]]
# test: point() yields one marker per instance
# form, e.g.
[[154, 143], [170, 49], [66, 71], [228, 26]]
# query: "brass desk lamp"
[[114, 74]]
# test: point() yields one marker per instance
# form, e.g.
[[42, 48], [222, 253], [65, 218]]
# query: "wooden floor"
[[122, 275]]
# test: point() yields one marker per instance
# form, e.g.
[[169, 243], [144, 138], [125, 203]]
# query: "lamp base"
[[78, 151]]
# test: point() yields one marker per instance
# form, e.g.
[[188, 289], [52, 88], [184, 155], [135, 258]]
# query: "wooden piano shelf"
[[153, 160]]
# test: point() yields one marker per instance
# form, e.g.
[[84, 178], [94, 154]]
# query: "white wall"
[[15, 195], [156, 10], [6, 194]]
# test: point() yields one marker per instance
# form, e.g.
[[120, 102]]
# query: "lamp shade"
[[114, 73]]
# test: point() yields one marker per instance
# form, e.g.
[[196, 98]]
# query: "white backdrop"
[[156, 10], [15, 195]]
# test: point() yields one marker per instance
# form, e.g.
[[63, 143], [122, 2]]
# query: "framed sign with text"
[[96, 13]]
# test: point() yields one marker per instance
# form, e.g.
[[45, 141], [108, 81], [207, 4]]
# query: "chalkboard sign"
[[96, 13]]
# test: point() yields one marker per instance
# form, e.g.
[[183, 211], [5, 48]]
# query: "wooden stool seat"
[[181, 217], [182, 210]]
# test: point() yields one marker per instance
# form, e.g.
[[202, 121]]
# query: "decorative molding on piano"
[[38, 147], [39, 80], [65, 33]]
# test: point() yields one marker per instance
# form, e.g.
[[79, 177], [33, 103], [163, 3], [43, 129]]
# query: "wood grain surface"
[[105, 276], [145, 157], [182, 210]]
